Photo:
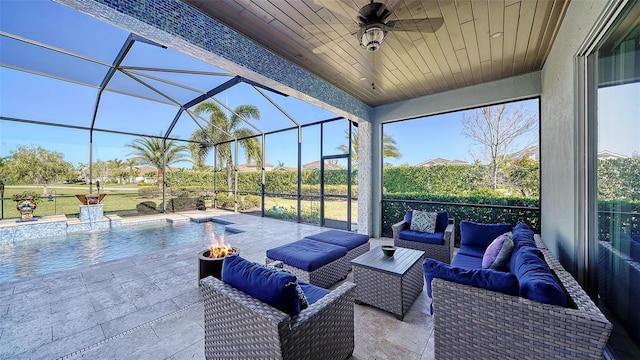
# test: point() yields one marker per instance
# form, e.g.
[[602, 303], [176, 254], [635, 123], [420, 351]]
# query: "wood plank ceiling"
[[479, 41]]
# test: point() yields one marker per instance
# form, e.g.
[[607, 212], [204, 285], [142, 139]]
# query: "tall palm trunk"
[[229, 180]]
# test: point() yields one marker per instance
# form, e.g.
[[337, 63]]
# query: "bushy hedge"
[[438, 179], [618, 216], [619, 179], [283, 182]]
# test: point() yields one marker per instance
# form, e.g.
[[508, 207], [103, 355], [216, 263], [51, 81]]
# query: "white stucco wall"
[[559, 133]]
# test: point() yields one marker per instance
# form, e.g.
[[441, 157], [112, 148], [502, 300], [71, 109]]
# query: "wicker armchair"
[[443, 252], [238, 326]]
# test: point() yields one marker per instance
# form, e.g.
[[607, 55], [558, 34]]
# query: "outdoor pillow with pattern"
[[424, 221]]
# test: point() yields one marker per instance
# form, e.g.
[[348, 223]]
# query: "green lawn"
[[119, 199], [122, 200]]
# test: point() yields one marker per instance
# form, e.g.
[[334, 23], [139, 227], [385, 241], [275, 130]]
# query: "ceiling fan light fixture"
[[372, 35]]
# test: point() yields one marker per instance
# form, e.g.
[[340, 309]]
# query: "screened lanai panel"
[[134, 115], [335, 137], [172, 73], [281, 150], [72, 145], [186, 125], [302, 112], [62, 27], [38, 98], [271, 118], [150, 55], [125, 84], [187, 78], [21, 55]]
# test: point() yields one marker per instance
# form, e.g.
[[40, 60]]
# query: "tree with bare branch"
[[495, 129]]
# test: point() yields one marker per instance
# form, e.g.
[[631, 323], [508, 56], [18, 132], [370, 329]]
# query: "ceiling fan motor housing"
[[373, 30], [372, 35]]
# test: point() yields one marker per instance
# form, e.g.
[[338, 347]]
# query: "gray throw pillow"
[[424, 221]]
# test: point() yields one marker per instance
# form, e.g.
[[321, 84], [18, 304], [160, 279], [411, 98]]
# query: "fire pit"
[[210, 260]]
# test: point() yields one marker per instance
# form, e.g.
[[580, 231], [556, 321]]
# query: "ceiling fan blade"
[[390, 5], [338, 7], [426, 25]]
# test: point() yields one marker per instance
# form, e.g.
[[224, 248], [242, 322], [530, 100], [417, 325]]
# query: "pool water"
[[22, 259]]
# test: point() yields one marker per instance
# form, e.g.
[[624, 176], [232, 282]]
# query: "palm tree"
[[222, 129], [148, 151], [129, 164], [389, 148]]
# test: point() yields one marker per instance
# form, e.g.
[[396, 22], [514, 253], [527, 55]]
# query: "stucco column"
[[369, 179]]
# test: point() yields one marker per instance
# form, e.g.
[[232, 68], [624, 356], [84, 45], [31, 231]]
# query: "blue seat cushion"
[[467, 262], [471, 251], [307, 254], [313, 293], [441, 221], [349, 240], [503, 282], [537, 282], [423, 237], [272, 287], [480, 235]]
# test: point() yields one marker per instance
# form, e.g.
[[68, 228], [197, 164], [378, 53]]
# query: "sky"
[[33, 97]]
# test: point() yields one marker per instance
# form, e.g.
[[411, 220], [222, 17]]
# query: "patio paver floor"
[[149, 306]]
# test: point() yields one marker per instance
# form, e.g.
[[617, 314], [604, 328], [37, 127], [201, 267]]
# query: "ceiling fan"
[[373, 24]]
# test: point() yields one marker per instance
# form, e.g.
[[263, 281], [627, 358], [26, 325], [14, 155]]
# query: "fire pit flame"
[[219, 249]]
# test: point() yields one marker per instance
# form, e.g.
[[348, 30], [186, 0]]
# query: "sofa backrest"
[[478, 235], [441, 221]]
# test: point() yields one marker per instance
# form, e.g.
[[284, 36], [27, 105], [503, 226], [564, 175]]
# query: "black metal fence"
[[393, 210]]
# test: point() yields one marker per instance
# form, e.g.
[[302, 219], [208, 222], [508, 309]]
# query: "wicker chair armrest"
[[397, 227], [343, 293], [324, 330], [450, 236]]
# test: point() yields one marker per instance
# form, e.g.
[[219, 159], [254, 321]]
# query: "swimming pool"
[[22, 259]]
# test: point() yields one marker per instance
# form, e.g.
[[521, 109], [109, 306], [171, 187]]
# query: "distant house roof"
[[253, 167], [441, 161], [610, 155], [315, 165], [532, 152], [284, 168]]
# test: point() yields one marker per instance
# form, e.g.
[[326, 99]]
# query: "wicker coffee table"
[[388, 283]]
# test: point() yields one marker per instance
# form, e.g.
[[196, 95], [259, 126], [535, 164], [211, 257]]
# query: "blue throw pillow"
[[408, 216], [302, 298], [442, 221], [275, 288], [523, 236], [537, 282], [480, 235]]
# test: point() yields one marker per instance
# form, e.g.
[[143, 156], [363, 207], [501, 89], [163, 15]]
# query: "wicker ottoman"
[[312, 261], [356, 244], [389, 283]]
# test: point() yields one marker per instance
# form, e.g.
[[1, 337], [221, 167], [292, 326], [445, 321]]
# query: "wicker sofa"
[[475, 322], [438, 246], [239, 326]]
